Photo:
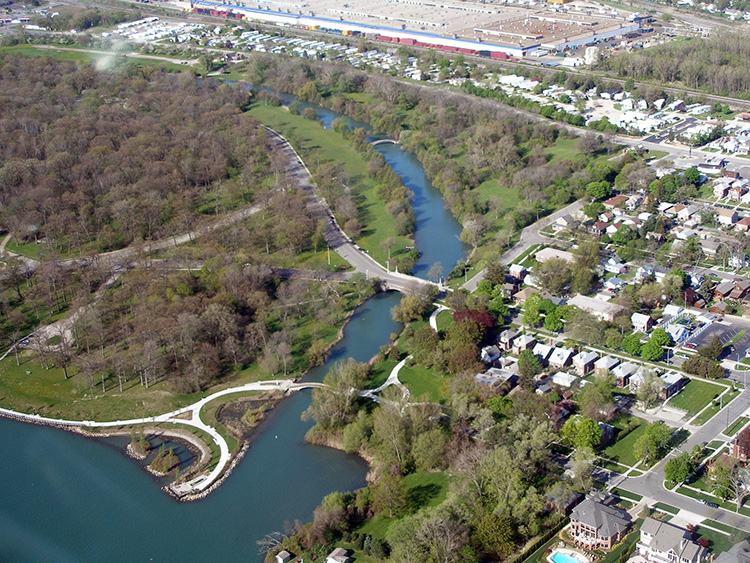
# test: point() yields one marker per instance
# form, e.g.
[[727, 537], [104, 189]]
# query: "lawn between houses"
[[696, 394]]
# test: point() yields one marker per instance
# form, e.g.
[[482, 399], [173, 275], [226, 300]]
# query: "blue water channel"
[[67, 498]]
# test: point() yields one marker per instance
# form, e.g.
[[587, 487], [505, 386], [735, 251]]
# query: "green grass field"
[[622, 450], [666, 508], [735, 427], [422, 383], [444, 320], [329, 146], [719, 542], [424, 489], [695, 396]]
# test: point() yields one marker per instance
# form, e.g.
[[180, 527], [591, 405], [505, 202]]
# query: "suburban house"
[[560, 357], [549, 253], [597, 525], [338, 555], [740, 553], [517, 271], [722, 290], [726, 216], [623, 372], [614, 284], [563, 379], [584, 362], [643, 272], [672, 311], [740, 446], [710, 246], [524, 294], [662, 542], [523, 342], [616, 201], [633, 202], [607, 363], [719, 308], [490, 354], [496, 376], [614, 265], [677, 333], [743, 224], [283, 557], [740, 290], [564, 222], [673, 382], [597, 228], [505, 340], [720, 190], [736, 192], [642, 323], [542, 351], [687, 212], [602, 310]]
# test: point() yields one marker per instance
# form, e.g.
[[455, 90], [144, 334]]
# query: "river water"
[[69, 498]]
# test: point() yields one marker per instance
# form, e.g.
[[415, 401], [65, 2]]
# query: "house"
[[673, 382], [614, 265], [505, 340], [564, 222], [542, 351], [600, 309], [677, 333], [736, 192], [596, 524], [743, 224], [623, 372], [663, 542], [563, 379], [740, 290], [720, 190], [560, 357], [614, 284], [616, 201], [726, 216], [722, 290], [642, 323], [710, 246], [739, 447], [607, 217], [687, 212], [718, 308], [517, 271], [711, 166], [521, 297], [584, 362], [283, 557], [549, 253], [740, 553], [633, 202], [523, 342], [496, 377], [673, 311], [339, 555], [490, 354], [643, 273], [598, 228], [608, 434], [605, 363]]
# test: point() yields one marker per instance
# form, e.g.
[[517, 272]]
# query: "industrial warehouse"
[[508, 30]]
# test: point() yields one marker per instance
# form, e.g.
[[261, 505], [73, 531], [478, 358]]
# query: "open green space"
[[423, 489], [379, 373], [695, 396], [422, 383], [506, 199], [735, 427], [323, 145], [719, 542], [626, 494], [444, 320], [622, 450], [711, 498], [666, 508]]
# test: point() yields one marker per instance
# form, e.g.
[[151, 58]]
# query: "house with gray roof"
[[662, 542], [584, 362], [597, 525], [607, 363], [740, 553], [560, 357], [506, 338]]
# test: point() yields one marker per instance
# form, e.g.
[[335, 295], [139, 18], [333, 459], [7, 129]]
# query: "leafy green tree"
[[334, 405], [389, 495], [632, 344], [411, 308], [650, 389], [553, 320], [528, 367], [599, 190], [429, 448], [692, 175], [531, 313], [679, 468], [554, 275], [582, 432], [712, 350], [597, 398], [652, 350], [496, 534], [661, 337], [653, 444]]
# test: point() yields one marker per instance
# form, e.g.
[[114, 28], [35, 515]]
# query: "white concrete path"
[[434, 315]]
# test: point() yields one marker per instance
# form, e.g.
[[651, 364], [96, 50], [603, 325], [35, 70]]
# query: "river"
[[69, 498]]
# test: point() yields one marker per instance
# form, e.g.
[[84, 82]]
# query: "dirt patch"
[[240, 417]]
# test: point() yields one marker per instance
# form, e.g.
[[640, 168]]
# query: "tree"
[[632, 344], [728, 482], [650, 389], [531, 313], [429, 449], [389, 495], [410, 309], [679, 468], [582, 432], [712, 350], [661, 337], [599, 190], [554, 275], [583, 469], [652, 350], [334, 405], [496, 534], [597, 398], [528, 367], [653, 443]]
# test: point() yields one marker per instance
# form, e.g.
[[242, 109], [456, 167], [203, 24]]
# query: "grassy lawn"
[[444, 320], [695, 396], [380, 373], [732, 506], [622, 450], [719, 542], [655, 155], [735, 427], [666, 508], [329, 146], [422, 382], [628, 495], [424, 489], [509, 199]]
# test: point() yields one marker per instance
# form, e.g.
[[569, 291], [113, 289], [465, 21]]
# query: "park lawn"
[[422, 383], [424, 489], [379, 373], [622, 450], [444, 320], [695, 396], [736, 426], [509, 198], [329, 146], [48, 393]]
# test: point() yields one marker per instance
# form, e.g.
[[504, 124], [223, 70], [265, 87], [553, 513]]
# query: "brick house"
[[597, 525]]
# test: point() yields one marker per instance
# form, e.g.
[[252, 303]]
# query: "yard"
[[695, 396], [422, 383], [622, 450]]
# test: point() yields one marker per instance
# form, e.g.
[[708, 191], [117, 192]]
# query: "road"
[[651, 484], [529, 237]]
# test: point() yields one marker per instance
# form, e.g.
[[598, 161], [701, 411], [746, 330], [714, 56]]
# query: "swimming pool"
[[567, 556]]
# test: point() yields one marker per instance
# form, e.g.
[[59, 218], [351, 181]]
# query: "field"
[[622, 450], [422, 383], [329, 146], [695, 396]]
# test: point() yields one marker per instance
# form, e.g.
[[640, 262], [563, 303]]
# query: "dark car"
[[712, 505]]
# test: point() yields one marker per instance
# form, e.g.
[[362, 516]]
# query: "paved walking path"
[[392, 380], [433, 317]]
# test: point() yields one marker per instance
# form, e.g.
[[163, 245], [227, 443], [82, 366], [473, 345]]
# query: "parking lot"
[[725, 330]]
